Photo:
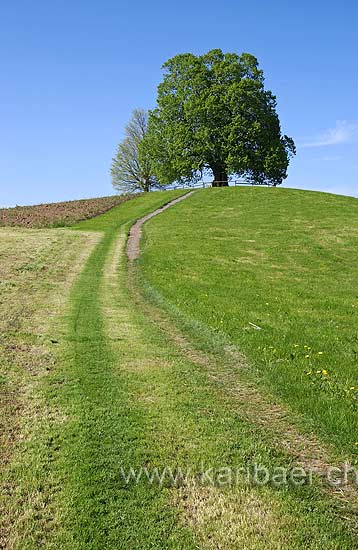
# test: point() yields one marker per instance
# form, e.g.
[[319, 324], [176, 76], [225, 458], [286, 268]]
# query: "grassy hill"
[[134, 419], [283, 260]]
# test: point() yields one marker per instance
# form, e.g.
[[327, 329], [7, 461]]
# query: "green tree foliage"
[[214, 114], [130, 168]]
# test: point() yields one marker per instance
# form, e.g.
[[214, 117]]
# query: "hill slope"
[[275, 272], [122, 432]]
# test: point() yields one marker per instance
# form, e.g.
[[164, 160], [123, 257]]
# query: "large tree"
[[214, 114], [131, 167]]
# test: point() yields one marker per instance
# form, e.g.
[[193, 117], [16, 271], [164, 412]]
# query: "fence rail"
[[204, 184]]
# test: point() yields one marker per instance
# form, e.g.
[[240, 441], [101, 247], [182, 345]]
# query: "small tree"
[[214, 114], [131, 168]]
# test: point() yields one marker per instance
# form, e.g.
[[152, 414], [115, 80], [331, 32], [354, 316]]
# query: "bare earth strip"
[[133, 249]]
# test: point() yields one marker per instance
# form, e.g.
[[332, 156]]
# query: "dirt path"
[[133, 243]]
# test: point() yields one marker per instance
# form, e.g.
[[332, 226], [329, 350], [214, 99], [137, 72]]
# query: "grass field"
[[98, 380], [58, 214], [287, 262], [37, 269]]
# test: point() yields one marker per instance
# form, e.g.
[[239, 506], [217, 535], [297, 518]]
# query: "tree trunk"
[[220, 177]]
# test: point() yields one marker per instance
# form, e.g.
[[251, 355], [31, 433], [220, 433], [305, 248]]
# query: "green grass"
[[36, 272], [122, 393], [128, 212], [286, 261], [135, 400]]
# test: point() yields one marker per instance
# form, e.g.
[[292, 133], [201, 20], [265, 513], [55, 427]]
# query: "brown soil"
[[59, 213]]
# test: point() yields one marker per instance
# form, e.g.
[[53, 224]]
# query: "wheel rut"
[[133, 243]]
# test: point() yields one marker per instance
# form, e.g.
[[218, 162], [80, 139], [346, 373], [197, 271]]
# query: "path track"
[[133, 243], [165, 375]]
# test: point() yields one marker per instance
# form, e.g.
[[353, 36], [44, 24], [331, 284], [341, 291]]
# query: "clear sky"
[[72, 72]]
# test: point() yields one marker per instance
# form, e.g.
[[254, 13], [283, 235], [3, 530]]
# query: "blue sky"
[[72, 72]]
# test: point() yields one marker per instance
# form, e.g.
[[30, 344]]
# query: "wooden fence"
[[204, 184]]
